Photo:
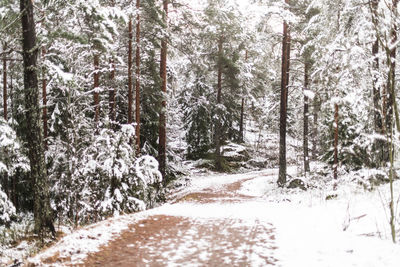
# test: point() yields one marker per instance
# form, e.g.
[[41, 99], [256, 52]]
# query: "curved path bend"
[[202, 228]]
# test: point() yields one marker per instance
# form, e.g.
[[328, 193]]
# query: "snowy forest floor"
[[240, 220]]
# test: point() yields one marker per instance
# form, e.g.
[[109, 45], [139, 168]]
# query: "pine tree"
[[305, 118], [284, 95], [162, 145], [5, 83], [44, 101], [130, 94], [137, 78], [42, 211]]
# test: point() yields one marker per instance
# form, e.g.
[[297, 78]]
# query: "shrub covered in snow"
[[101, 177], [7, 209], [11, 152], [12, 161]]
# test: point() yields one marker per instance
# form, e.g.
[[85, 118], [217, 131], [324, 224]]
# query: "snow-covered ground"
[[352, 230], [349, 230]]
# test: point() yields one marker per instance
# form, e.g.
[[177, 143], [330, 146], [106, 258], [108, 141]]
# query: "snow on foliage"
[[101, 176], [11, 156], [11, 160], [146, 168], [7, 209]]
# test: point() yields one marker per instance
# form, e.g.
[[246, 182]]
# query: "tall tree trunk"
[[305, 117], [241, 137], [12, 96], [316, 109], [137, 79], [96, 84], [391, 62], [393, 54], [379, 144], [14, 195], [130, 96], [379, 148], [284, 101], [44, 97], [393, 100], [5, 88], [162, 124], [42, 211], [336, 142], [388, 99], [111, 93], [5, 182], [218, 126]]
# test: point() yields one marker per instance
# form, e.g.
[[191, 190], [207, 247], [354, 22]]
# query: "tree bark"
[[111, 93], [14, 195], [162, 123], [336, 141], [379, 145], [284, 101], [5, 88], [130, 96], [42, 211], [390, 103], [241, 131], [241, 137], [218, 126], [96, 84], [392, 78], [44, 97], [137, 79], [305, 117]]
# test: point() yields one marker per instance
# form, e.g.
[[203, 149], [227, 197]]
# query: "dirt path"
[[163, 240]]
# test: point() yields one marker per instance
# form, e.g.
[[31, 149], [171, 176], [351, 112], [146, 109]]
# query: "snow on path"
[[300, 229]]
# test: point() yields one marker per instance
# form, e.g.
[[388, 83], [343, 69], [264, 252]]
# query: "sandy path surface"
[[165, 240]]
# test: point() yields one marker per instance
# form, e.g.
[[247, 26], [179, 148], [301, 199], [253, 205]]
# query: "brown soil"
[[179, 241]]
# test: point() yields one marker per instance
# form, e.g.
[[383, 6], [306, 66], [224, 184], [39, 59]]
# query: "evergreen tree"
[[42, 210]]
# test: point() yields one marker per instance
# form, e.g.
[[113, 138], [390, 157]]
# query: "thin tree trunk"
[[379, 147], [96, 84], [42, 211], [336, 141], [44, 96], [6, 178], [391, 203], [130, 96], [111, 93], [12, 96], [392, 78], [393, 54], [137, 79], [162, 123], [218, 126], [284, 101], [376, 94], [315, 129], [15, 177], [305, 117], [5, 88], [392, 73], [241, 137]]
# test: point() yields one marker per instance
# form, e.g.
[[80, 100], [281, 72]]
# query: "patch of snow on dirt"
[[74, 247], [281, 226]]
